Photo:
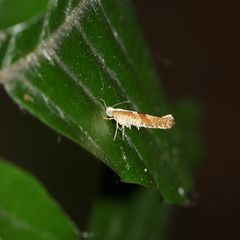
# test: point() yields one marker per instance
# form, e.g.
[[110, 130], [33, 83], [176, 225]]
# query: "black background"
[[195, 46]]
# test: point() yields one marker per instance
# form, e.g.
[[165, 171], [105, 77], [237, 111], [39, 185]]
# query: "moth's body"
[[127, 118]]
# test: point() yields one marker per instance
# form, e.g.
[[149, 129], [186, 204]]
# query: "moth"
[[127, 118]]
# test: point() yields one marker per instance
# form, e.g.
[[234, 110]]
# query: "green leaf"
[[60, 67], [27, 211], [140, 218], [15, 11]]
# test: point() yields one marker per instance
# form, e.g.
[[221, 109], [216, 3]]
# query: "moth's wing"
[[131, 118], [150, 121]]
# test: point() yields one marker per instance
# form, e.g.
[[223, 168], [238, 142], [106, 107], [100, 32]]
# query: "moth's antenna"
[[103, 103], [120, 103]]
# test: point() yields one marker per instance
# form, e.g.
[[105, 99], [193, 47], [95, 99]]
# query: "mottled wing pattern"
[[127, 118], [163, 122], [130, 118]]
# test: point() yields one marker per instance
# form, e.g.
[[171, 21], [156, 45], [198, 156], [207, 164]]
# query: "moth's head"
[[109, 111]]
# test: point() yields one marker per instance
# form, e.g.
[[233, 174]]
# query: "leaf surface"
[[15, 11], [27, 211], [59, 67]]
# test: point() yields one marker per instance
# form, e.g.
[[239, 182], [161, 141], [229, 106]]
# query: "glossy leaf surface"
[[60, 66]]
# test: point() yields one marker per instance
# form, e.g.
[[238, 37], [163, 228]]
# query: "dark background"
[[194, 45]]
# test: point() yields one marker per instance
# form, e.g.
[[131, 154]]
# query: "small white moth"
[[127, 118]]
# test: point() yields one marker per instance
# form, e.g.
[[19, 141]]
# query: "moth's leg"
[[115, 135], [122, 132]]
